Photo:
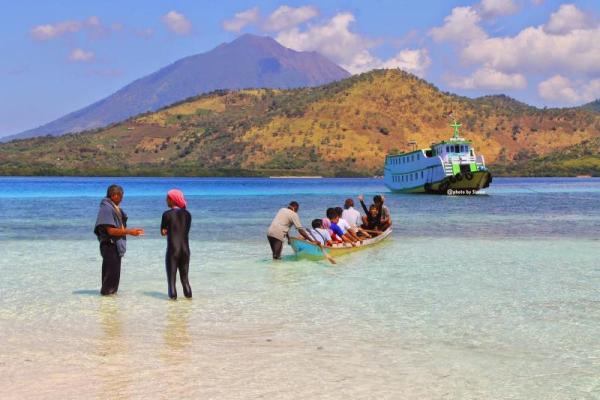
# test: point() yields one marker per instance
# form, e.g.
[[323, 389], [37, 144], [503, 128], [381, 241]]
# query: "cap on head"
[[294, 205], [377, 199]]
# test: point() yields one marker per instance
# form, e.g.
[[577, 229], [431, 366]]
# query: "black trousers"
[[276, 247], [181, 262], [111, 268]]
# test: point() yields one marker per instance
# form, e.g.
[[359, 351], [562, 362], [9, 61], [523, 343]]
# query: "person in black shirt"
[[175, 225], [372, 219]]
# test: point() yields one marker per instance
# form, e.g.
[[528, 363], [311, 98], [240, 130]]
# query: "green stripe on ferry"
[[473, 167], [455, 169]]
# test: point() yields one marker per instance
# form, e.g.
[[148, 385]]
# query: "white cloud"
[[537, 2], [534, 50], [568, 18], [414, 61], [488, 78], [79, 55], [497, 8], [177, 23], [241, 20], [461, 26], [286, 17], [144, 33], [92, 26], [563, 90], [335, 40], [332, 39], [51, 31]]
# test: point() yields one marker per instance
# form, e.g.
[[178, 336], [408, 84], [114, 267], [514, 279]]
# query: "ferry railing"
[[460, 159]]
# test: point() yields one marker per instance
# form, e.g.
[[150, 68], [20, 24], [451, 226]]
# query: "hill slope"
[[343, 128], [247, 62]]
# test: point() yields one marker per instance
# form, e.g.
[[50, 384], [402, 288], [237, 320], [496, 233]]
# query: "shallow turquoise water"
[[485, 297]]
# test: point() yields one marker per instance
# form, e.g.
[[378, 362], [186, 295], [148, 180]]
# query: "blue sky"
[[59, 56]]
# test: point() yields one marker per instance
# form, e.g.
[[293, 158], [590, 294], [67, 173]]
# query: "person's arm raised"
[[361, 198]]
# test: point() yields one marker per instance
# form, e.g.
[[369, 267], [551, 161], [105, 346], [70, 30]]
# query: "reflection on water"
[[112, 348], [176, 334]]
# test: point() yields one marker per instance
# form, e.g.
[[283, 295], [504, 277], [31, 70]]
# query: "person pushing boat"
[[280, 226], [175, 225]]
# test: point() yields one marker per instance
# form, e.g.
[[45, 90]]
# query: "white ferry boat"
[[448, 167]]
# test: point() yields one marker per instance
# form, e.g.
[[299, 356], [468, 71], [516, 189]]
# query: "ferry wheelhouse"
[[448, 167]]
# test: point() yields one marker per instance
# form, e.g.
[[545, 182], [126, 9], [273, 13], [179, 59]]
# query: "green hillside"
[[341, 129]]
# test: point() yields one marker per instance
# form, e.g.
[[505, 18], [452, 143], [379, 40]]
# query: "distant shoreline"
[[260, 176], [296, 177]]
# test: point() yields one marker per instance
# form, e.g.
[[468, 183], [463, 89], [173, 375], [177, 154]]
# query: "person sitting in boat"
[[372, 219], [335, 218], [386, 218], [345, 225], [280, 226], [327, 226], [319, 233], [353, 217]]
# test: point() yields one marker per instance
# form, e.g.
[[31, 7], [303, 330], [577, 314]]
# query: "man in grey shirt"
[[280, 226], [111, 230]]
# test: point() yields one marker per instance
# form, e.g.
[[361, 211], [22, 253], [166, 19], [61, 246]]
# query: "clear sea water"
[[494, 296]]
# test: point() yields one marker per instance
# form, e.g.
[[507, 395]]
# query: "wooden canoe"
[[308, 250]]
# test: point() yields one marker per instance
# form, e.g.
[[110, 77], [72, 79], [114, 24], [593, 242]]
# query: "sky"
[[60, 56]]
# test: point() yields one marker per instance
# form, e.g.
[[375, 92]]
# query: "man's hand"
[[361, 197], [136, 232]]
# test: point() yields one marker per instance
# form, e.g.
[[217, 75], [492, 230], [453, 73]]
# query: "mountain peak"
[[249, 61]]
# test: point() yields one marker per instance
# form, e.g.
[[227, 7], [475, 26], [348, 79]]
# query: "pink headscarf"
[[176, 196], [326, 223]]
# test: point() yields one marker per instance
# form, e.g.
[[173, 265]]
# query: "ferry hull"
[[453, 185]]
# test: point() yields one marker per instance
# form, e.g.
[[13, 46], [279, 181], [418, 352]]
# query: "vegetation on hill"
[[580, 159], [341, 129]]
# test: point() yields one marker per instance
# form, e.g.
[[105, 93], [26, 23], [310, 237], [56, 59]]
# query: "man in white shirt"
[[351, 215], [345, 226], [280, 226]]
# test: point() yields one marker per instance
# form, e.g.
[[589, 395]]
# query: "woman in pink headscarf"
[[175, 225]]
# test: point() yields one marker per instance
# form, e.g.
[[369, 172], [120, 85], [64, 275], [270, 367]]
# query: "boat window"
[[447, 149], [412, 158], [472, 154], [418, 156], [421, 174]]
